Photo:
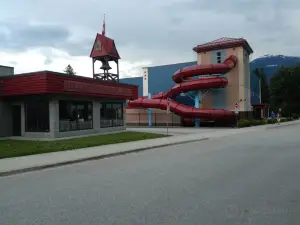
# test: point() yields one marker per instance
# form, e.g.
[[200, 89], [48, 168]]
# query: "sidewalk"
[[16, 165]]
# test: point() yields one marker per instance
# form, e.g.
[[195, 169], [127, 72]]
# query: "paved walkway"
[[177, 130], [47, 160]]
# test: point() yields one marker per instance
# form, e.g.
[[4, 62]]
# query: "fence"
[[66, 125], [158, 119], [111, 123]]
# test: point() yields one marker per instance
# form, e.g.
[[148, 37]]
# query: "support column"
[[197, 99], [149, 113], [54, 117], [96, 115], [23, 115]]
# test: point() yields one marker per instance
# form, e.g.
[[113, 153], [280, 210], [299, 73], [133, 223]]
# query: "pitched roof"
[[104, 46], [222, 43]]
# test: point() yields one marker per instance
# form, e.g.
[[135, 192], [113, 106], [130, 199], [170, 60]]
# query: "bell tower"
[[105, 51]]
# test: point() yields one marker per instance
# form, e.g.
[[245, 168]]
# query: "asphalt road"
[[252, 178]]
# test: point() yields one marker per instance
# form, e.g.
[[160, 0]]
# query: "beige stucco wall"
[[232, 89], [241, 94], [204, 58], [238, 88], [244, 80]]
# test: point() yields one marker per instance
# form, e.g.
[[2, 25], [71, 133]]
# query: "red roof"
[[48, 82], [222, 43], [104, 46]]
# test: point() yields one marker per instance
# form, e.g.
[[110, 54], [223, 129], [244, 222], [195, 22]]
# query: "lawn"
[[14, 148]]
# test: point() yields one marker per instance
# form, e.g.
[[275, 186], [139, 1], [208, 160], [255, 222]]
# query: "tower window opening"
[[218, 57]]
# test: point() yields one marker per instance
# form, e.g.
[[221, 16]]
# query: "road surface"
[[252, 178]]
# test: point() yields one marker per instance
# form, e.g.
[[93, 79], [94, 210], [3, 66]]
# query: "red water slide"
[[185, 83]]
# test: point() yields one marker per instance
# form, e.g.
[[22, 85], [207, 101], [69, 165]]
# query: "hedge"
[[249, 123]]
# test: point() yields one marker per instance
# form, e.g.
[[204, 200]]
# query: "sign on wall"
[[103, 89]]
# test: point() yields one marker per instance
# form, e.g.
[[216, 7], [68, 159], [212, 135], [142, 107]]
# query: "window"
[[75, 115], [37, 116], [219, 60], [111, 115]]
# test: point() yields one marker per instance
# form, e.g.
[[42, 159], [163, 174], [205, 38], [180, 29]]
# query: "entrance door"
[[16, 120]]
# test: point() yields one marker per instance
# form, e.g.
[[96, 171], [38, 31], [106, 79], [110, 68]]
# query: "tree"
[[284, 90], [69, 70], [265, 98]]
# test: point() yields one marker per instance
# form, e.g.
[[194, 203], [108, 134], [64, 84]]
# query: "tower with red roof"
[[105, 51]]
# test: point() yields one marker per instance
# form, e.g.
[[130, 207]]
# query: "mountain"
[[271, 63]]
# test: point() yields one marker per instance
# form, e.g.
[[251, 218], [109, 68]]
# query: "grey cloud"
[[22, 36], [176, 20], [80, 48], [48, 61], [237, 6], [14, 63], [162, 32]]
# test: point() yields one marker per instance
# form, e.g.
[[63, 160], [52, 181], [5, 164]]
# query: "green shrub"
[[249, 123], [255, 122], [295, 116], [244, 123], [274, 120], [264, 122]]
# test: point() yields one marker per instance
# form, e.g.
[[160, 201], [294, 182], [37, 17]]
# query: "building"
[[6, 70], [156, 79], [47, 104], [242, 89]]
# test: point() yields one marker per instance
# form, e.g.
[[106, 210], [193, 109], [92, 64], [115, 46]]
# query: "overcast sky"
[[49, 34]]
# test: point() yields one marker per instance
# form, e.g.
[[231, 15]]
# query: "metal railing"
[[158, 119], [67, 125], [111, 123]]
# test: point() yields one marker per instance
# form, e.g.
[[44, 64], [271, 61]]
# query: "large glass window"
[[37, 116], [111, 115], [75, 115]]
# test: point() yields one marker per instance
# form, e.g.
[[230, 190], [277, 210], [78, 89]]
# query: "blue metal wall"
[[160, 77], [255, 92], [160, 80], [135, 81]]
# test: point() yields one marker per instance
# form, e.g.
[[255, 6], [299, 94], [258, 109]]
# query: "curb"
[[37, 168]]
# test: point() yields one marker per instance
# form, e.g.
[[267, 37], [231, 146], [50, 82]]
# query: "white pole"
[[168, 109]]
